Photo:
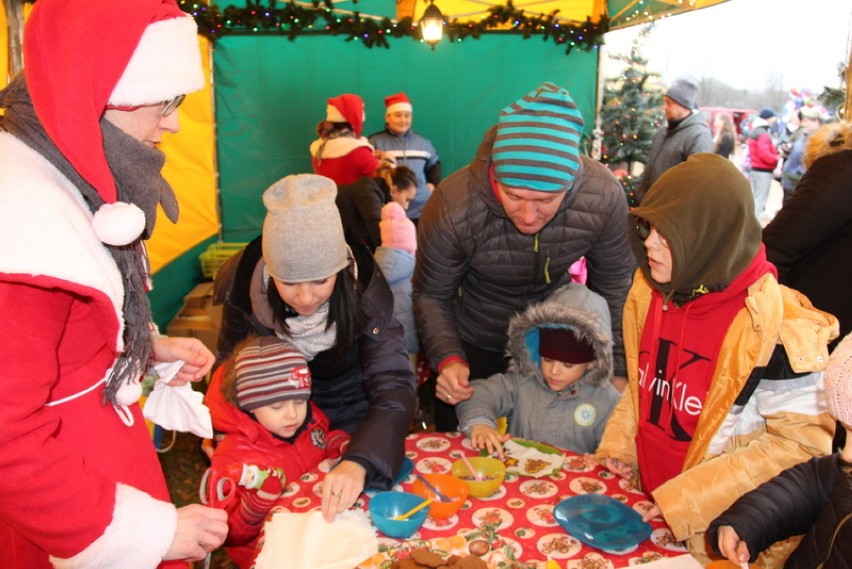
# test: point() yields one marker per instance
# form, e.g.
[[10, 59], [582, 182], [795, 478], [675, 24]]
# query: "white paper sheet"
[[307, 541]]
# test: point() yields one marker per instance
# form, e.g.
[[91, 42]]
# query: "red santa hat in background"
[[145, 52], [398, 102], [347, 108]]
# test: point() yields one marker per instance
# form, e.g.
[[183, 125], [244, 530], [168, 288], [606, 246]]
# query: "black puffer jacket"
[[369, 391], [813, 498], [475, 270]]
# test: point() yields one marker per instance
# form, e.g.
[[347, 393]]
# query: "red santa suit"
[[80, 483]]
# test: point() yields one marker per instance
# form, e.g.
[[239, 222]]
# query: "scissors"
[[217, 491]]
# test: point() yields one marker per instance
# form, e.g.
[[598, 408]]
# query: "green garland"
[[291, 20]]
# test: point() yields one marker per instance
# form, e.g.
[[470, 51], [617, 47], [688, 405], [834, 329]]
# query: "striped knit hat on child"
[[268, 370], [537, 142]]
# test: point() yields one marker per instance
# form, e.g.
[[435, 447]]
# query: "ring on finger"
[[337, 494]]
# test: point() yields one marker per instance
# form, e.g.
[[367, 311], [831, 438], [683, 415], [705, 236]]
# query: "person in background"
[[724, 363], [685, 133], [813, 498], [361, 203], [303, 282], [557, 389], [500, 234], [793, 168], [409, 149], [724, 135], [395, 258], [273, 434], [340, 152], [810, 240], [80, 183], [763, 158]]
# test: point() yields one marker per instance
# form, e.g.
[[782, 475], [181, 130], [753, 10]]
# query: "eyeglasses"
[[169, 106], [644, 229]]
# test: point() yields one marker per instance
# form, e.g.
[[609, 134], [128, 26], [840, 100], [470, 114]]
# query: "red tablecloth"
[[521, 512]]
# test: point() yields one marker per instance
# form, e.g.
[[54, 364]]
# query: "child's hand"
[[619, 468], [485, 436], [731, 546]]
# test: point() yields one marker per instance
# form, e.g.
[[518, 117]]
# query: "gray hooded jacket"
[[573, 418]]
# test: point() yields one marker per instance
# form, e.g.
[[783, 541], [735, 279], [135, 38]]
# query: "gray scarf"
[[136, 169]]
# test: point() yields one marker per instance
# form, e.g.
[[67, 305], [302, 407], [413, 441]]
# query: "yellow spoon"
[[413, 510]]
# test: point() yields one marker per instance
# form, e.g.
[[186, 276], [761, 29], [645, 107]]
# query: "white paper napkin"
[[177, 408], [528, 461], [307, 541]]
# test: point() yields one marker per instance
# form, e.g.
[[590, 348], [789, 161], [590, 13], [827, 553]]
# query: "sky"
[[750, 44]]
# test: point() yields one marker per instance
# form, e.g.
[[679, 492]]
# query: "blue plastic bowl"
[[386, 505]]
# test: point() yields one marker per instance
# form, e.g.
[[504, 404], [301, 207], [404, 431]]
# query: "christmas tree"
[[631, 113]]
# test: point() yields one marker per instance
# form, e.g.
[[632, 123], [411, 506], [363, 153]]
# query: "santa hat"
[[268, 370], [123, 52], [346, 108], [398, 102], [396, 229]]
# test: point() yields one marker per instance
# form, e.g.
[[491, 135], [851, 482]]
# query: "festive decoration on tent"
[[631, 113], [292, 20]]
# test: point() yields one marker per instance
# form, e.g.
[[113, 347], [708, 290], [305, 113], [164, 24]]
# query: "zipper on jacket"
[[537, 251]]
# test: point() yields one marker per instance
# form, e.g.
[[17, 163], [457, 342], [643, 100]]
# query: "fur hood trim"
[[573, 307]]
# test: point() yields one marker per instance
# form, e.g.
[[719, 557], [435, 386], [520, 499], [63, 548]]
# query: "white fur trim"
[[46, 227], [337, 147], [119, 223], [332, 114], [138, 537], [396, 107], [166, 63]]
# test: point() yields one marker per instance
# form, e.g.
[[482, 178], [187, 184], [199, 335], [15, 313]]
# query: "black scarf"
[[136, 169]]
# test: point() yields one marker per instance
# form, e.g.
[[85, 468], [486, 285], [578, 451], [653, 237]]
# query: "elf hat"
[[268, 370], [398, 102], [125, 52], [347, 108], [396, 229]]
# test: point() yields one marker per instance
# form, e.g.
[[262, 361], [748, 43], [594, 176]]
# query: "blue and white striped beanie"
[[538, 138], [268, 370]]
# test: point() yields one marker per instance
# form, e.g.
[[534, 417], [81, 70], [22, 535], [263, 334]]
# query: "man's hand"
[[452, 384]]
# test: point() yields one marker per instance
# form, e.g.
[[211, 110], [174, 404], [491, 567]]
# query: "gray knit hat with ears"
[[302, 233], [684, 91]]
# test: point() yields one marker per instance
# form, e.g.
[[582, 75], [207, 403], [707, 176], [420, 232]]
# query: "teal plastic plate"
[[602, 522]]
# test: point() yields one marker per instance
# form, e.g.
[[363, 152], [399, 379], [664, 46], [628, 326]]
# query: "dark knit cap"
[[268, 370], [684, 91], [562, 344], [766, 113], [537, 141]]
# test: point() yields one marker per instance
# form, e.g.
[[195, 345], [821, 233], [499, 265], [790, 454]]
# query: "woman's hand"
[[200, 530], [341, 488], [732, 547], [197, 358], [486, 436], [452, 384]]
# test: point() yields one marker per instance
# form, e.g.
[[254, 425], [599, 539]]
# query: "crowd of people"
[[700, 357]]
